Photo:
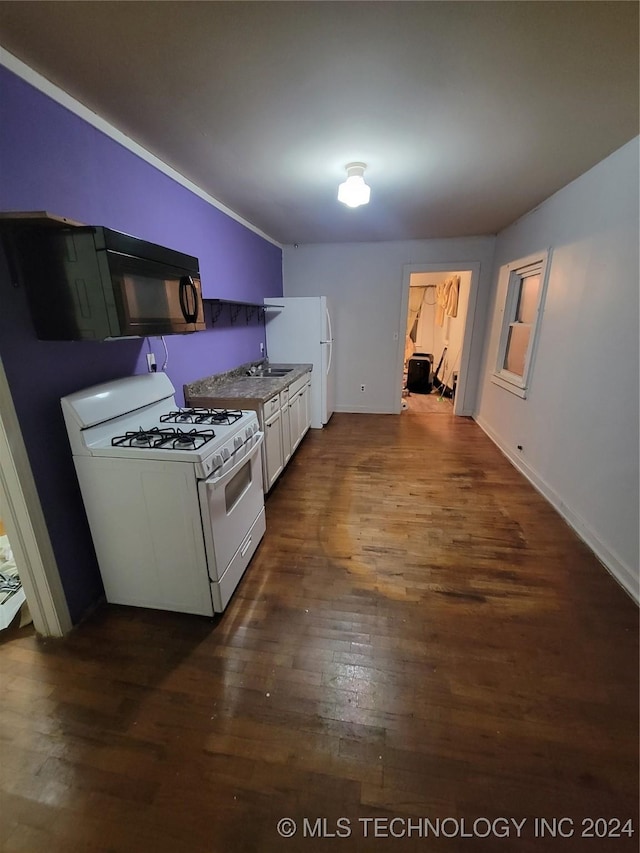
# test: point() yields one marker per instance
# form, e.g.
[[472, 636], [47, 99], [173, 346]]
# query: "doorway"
[[25, 528], [13, 605], [443, 331]]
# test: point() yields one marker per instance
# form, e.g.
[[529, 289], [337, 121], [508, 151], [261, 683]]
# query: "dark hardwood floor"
[[419, 636]]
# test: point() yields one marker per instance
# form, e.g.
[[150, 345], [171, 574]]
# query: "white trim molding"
[[463, 391], [22, 515], [20, 69]]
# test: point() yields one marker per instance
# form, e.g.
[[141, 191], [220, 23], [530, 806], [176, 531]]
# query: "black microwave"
[[93, 283]]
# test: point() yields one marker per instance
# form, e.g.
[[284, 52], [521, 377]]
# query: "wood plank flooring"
[[419, 636], [432, 403]]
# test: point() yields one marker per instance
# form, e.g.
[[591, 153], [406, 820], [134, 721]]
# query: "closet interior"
[[12, 597], [436, 318]]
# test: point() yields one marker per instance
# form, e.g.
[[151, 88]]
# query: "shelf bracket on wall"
[[216, 310], [251, 309], [234, 310]]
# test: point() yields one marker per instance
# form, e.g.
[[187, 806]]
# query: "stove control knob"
[[237, 442], [217, 461], [225, 453], [254, 427], [248, 433]]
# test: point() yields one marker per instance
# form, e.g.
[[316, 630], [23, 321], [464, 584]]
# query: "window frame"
[[515, 272]]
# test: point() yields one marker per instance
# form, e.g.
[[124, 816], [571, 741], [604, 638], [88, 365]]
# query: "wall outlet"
[[151, 362], [363, 388]]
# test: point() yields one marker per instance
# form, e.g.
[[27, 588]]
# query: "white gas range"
[[173, 496]]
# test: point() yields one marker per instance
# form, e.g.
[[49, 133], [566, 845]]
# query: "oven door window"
[[236, 487]]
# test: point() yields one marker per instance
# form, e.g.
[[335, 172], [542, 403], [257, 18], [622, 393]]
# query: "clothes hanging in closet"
[[447, 293]]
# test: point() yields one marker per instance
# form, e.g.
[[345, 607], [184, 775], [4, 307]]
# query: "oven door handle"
[[222, 479]]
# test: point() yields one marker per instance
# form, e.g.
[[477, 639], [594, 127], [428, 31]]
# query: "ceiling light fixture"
[[353, 192]]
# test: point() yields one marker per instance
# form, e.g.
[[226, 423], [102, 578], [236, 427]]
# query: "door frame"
[[460, 404], [26, 528]]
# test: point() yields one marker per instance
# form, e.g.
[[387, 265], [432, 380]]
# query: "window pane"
[[528, 301], [517, 344]]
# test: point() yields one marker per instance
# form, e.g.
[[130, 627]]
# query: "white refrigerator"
[[299, 331]]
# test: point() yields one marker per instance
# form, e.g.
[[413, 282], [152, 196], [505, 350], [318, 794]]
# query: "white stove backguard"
[[98, 413]]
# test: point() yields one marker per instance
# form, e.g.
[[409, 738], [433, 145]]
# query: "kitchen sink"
[[269, 371]]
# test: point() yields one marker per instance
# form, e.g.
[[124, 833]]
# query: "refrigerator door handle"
[[330, 344], [329, 329], [330, 341]]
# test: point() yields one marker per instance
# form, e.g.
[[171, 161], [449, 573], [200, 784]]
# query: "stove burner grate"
[[168, 439], [202, 416]]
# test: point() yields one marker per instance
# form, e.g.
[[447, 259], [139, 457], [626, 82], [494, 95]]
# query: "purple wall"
[[52, 160]]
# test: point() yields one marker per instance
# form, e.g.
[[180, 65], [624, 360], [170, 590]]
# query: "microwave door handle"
[[182, 286], [186, 282], [194, 290], [193, 316]]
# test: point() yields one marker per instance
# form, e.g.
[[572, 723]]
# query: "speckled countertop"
[[235, 388]]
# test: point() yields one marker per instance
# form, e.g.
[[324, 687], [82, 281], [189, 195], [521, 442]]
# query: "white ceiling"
[[468, 114]]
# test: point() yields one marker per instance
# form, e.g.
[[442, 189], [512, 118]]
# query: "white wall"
[[579, 425], [364, 282]]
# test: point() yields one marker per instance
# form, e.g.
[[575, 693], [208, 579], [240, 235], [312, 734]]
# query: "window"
[[523, 301]]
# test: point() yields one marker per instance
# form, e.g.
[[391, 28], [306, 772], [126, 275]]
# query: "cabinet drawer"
[[284, 398], [271, 406], [298, 384]]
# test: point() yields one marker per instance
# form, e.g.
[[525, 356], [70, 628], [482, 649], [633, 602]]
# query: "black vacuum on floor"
[[420, 373]]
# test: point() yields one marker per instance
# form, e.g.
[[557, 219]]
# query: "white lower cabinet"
[[285, 426], [273, 456], [297, 417], [306, 408], [294, 425], [286, 417], [300, 415]]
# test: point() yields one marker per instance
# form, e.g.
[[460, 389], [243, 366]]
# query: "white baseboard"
[[364, 410], [623, 574], [29, 75]]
